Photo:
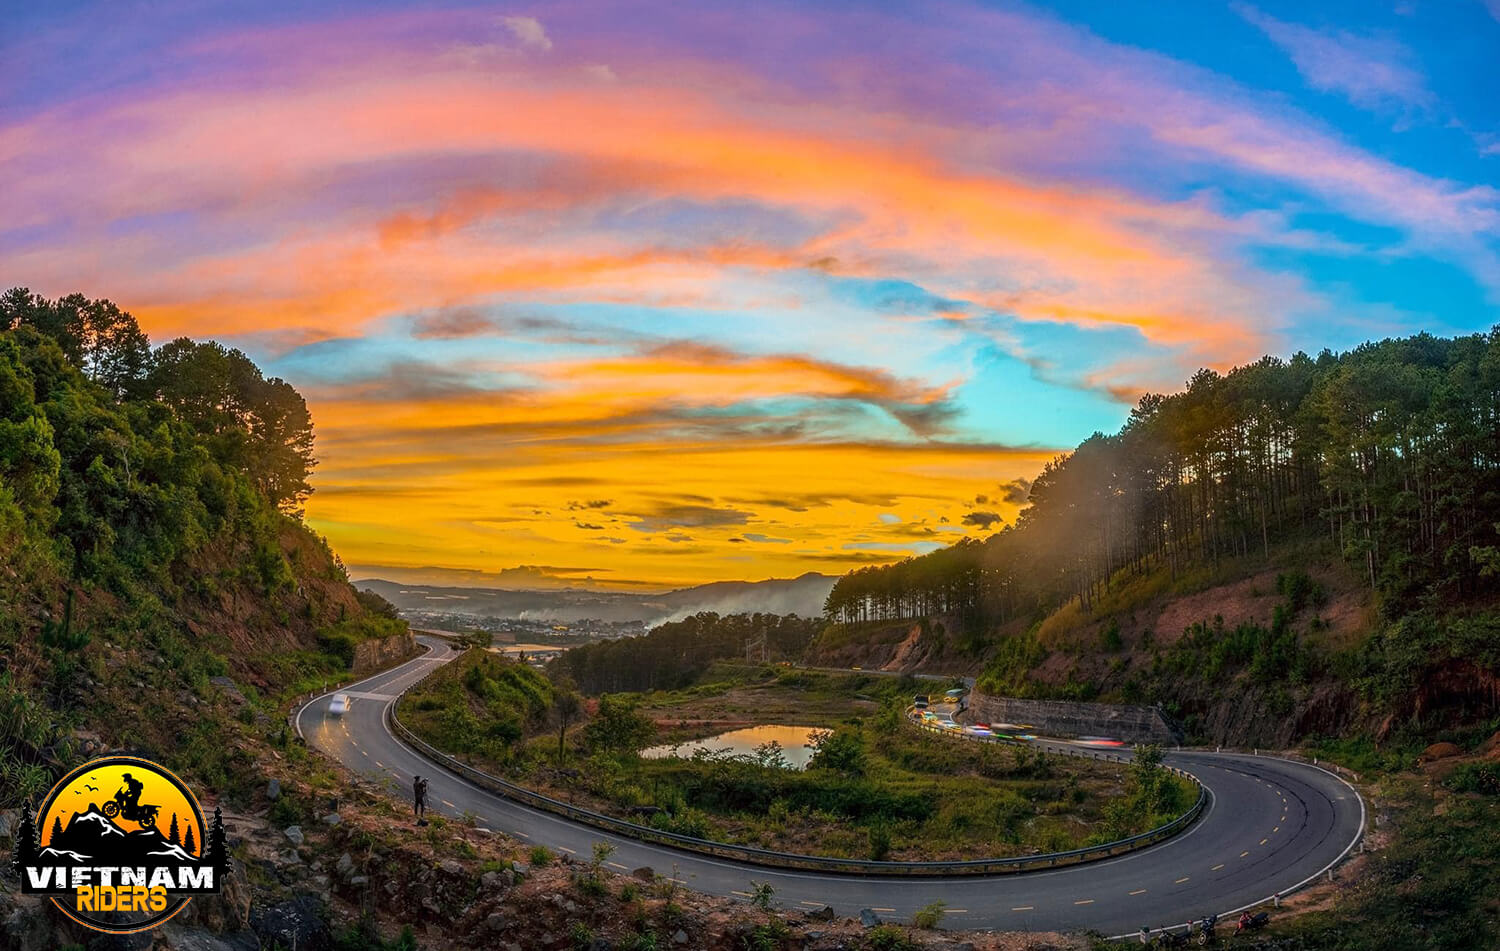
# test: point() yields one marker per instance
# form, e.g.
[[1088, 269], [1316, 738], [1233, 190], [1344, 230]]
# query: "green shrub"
[[1477, 777], [929, 915], [888, 938], [581, 935]]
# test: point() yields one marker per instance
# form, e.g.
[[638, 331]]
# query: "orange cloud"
[[899, 208]]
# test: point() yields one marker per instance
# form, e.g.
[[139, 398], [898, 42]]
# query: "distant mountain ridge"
[[803, 595]]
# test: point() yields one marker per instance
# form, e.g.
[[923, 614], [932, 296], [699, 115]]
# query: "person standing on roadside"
[[419, 798]]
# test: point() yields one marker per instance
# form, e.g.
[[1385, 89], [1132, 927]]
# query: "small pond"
[[793, 740]]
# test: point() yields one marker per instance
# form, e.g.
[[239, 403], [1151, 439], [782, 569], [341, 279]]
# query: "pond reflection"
[[744, 742]]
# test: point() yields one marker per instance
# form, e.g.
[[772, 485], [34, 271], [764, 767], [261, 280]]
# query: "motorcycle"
[[1253, 922], [145, 815], [1206, 929], [1170, 939]]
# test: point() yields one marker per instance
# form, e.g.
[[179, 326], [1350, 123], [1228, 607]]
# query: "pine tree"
[[188, 845], [172, 833], [57, 829], [25, 843], [218, 853]]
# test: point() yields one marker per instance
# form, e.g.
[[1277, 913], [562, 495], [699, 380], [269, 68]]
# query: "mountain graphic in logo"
[[92, 839]]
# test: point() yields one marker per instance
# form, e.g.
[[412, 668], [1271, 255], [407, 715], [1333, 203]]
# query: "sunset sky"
[[641, 295]]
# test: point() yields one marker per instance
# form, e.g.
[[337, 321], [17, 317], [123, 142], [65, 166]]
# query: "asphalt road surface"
[[1271, 825]]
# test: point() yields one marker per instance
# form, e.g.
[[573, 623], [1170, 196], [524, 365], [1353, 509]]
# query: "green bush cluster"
[[1476, 777], [139, 490], [479, 705]]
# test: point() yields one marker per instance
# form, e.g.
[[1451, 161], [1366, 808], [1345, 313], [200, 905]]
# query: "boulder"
[[1439, 751], [26, 927], [230, 687], [295, 836], [451, 867], [868, 918], [273, 790], [490, 881], [494, 921], [332, 819], [645, 873], [228, 911], [520, 868], [298, 922], [823, 913], [679, 937], [345, 865]]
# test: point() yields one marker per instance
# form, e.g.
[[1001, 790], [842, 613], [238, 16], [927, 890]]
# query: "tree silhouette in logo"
[[25, 847], [218, 853]]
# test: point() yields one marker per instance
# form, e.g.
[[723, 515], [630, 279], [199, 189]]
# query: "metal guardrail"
[[775, 859]]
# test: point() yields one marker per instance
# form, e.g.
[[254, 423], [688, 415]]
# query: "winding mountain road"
[[1272, 825]]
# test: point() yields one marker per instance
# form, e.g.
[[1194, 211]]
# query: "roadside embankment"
[[1134, 724]]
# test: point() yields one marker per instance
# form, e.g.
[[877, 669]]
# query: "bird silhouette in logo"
[[90, 788]]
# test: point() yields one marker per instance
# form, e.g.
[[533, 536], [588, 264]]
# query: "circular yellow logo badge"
[[120, 844]]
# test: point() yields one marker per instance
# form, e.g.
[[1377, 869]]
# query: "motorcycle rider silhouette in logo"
[[127, 803]]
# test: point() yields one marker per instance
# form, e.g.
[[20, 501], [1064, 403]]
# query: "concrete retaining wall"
[[1066, 718]]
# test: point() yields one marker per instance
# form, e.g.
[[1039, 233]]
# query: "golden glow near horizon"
[[577, 516]]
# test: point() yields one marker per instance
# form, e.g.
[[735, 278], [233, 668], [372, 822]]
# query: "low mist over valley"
[[802, 596]]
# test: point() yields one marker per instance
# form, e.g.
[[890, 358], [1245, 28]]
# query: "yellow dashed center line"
[[1085, 901], [886, 910], [815, 904], [958, 911], [618, 866], [1244, 853], [449, 804], [380, 764], [1217, 867], [1024, 908], [564, 848], [1139, 891], [741, 894], [1182, 879], [1264, 841]]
